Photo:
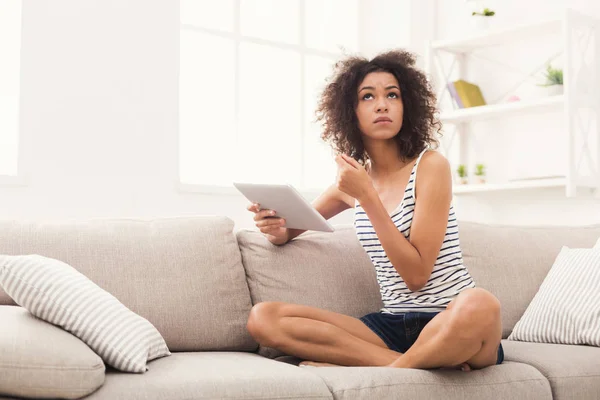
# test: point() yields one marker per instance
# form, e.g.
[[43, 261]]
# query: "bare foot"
[[317, 364], [463, 367]]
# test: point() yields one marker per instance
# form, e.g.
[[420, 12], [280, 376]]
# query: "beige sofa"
[[196, 280]]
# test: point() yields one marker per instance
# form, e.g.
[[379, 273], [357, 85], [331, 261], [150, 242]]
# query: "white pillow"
[[567, 305], [597, 246], [57, 293]]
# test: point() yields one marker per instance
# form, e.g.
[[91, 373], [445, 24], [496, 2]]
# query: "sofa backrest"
[[332, 271], [183, 274], [512, 261]]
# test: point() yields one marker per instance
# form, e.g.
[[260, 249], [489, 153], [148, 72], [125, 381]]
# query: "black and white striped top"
[[448, 278]]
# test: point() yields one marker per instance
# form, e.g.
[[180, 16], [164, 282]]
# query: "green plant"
[[485, 13], [479, 169], [554, 76], [462, 171]]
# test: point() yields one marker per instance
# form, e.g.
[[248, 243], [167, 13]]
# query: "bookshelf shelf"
[[498, 37], [541, 183], [518, 185], [578, 106], [501, 110]]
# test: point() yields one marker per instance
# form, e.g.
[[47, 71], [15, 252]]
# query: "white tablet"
[[288, 203]]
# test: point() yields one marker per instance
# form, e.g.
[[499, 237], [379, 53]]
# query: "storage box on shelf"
[[581, 84]]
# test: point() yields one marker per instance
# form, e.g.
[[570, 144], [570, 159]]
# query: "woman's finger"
[[351, 161], [254, 207], [262, 214], [269, 222]]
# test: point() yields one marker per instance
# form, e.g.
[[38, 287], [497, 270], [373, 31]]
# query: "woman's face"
[[380, 109]]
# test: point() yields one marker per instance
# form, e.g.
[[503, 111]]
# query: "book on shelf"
[[466, 94]]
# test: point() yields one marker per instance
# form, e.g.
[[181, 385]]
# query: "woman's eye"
[[393, 95], [366, 96]]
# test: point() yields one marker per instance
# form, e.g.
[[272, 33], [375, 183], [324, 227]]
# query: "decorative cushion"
[[56, 292], [565, 309], [40, 360]]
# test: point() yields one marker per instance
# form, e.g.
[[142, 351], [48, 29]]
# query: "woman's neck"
[[384, 160]]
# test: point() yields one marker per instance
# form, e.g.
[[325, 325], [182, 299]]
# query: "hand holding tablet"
[[288, 204]]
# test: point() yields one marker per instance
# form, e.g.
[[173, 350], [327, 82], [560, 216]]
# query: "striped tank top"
[[449, 276]]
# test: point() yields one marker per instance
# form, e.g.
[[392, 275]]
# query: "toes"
[[305, 364], [316, 364], [462, 367]]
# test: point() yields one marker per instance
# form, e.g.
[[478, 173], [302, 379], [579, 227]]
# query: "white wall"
[[98, 108], [99, 115], [99, 112]]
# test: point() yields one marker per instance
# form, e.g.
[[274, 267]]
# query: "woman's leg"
[[469, 330], [314, 334]]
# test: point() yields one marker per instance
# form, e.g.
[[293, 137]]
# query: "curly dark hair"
[[339, 100]]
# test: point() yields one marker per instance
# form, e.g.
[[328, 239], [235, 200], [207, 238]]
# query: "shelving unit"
[[581, 76], [473, 114], [519, 185], [498, 36]]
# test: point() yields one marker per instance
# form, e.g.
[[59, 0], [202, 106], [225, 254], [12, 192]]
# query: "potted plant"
[[480, 173], [462, 174], [481, 20], [554, 81]]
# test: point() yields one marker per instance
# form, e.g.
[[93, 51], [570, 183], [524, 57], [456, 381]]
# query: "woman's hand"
[[352, 178], [273, 227]]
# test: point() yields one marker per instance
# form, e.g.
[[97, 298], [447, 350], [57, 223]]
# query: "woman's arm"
[[414, 259]]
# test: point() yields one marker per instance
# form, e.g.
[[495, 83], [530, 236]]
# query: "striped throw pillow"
[[57, 293], [566, 307]]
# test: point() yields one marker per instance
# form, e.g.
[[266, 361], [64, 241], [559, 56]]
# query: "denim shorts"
[[400, 331]]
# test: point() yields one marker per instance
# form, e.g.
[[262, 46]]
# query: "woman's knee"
[[476, 307], [262, 320]]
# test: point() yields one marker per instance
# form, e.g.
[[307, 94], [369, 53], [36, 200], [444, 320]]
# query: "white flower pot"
[[461, 180], [553, 90], [480, 23], [537, 91]]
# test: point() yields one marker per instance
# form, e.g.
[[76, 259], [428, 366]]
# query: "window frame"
[[301, 48]]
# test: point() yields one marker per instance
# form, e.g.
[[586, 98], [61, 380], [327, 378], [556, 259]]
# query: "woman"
[[379, 116]]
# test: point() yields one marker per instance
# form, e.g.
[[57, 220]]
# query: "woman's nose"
[[382, 107]]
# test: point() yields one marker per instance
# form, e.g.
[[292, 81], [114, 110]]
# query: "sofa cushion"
[[168, 270], [573, 371], [56, 292], [505, 381], [214, 375], [325, 270], [40, 360], [566, 309], [511, 262]]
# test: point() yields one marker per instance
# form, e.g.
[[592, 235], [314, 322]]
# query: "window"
[[10, 45], [250, 75]]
